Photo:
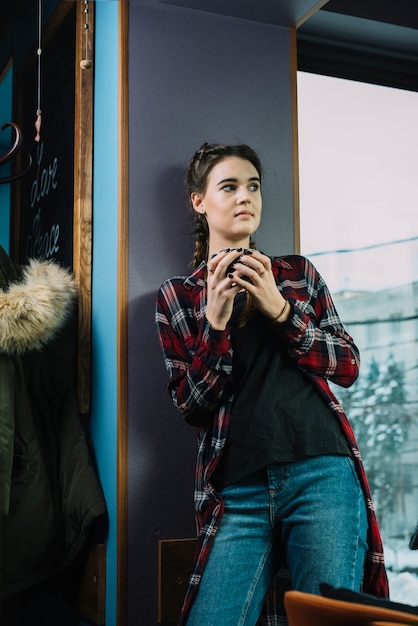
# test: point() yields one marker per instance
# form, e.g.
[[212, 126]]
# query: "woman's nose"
[[243, 195]]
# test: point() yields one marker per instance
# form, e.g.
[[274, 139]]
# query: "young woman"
[[249, 341]]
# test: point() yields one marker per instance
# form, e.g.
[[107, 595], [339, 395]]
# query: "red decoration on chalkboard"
[[38, 125]]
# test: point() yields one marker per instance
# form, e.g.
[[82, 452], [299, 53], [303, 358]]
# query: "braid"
[[202, 239]]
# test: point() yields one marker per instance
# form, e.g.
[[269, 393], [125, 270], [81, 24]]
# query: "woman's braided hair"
[[195, 181]]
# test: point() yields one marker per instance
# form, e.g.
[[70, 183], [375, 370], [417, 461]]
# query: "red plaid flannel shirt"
[[199, 364]]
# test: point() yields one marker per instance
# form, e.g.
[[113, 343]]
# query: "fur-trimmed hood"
[[34, 309]]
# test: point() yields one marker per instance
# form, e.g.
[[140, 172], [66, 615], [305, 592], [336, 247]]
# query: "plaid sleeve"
[[198, 359], [317, 339]]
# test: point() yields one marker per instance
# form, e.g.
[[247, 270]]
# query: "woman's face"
[[232, 202]]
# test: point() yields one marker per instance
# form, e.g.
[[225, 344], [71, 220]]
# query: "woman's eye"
[[228, 188], [254, 187]]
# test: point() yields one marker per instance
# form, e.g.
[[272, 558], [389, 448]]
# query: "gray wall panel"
[[192, 77]]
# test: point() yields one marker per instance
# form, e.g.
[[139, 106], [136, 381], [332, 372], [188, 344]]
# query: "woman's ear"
[[197, 202]]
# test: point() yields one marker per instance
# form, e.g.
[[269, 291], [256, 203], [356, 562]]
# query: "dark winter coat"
[[50, 495]]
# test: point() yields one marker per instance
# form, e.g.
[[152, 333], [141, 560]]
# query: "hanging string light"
[[39, 53], [86, 63]]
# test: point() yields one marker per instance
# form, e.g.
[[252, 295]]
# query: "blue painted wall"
[[5, 142], [104, 291]]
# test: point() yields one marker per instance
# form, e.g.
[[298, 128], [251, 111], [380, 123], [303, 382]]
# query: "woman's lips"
[[244, 214]]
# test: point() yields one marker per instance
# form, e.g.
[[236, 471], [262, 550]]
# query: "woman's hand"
[[221, 289], [253, 273]]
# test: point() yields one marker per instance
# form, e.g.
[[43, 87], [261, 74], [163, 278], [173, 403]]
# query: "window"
[[358, 161]]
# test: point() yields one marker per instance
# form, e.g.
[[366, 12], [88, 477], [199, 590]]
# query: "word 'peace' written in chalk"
[[42, 246]]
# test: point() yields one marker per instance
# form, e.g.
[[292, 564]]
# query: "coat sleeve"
[[198, 359], [315, 335]]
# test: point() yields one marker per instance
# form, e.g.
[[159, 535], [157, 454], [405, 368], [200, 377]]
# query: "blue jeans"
[[310, 513]]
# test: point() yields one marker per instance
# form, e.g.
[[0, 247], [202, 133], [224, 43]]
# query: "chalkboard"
[[51, 215], [44, 224]]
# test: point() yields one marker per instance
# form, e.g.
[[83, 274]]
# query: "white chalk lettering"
[[42, 245], [46, 177]]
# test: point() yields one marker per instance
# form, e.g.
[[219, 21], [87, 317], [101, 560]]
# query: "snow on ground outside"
[[403, 584], [403, 588]]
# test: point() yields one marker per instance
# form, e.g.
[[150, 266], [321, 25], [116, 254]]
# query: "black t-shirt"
[[278, 414]]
